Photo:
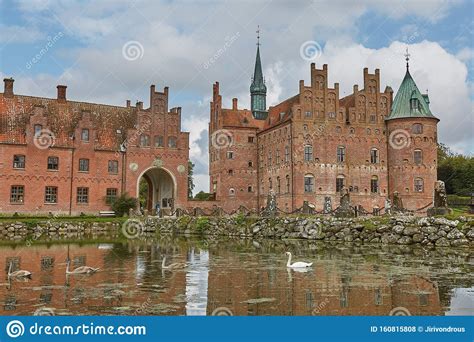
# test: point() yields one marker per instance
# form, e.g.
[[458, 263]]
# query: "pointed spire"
[[258, 90], [407, 58]]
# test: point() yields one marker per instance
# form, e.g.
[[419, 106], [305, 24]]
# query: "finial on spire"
[[407, 57], [258, 35]]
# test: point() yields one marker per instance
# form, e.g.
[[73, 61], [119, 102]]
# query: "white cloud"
[[180, 37]]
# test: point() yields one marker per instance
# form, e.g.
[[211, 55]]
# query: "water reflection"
[[247, 278]]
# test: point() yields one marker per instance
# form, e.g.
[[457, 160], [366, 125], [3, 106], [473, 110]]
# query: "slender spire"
[[258, 90], [407, 58]]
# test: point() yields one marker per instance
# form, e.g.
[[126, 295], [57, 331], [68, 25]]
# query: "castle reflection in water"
[[246, 282]]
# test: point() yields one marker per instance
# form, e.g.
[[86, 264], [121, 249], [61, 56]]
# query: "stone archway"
[[161, 189]]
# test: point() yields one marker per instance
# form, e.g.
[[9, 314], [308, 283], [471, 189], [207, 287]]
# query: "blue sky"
[[176, 42]]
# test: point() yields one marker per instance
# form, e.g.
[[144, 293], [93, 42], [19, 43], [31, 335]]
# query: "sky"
[[111, 51]]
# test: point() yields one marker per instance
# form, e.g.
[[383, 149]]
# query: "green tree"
[[190, 179], [122, 205], [456, 171], [201, 195]]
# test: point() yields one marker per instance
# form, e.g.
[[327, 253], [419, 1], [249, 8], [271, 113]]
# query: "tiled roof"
[[62, 118]]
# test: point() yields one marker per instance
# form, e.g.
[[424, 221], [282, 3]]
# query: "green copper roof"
[[409, 102], [258, 84]]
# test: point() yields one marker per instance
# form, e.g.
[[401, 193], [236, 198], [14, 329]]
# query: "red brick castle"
[[68, 157], [315, 144]]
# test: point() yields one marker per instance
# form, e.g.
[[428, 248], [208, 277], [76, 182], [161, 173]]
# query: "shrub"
[[122, 205]]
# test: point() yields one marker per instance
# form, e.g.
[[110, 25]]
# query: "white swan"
[[299, 264], [174, 266], [81, 269], [18, 274]]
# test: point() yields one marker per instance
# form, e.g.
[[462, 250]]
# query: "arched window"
[[159, 141], [308, 183], [374, 156], [339, 183], [287, 184], [278, 185], [231, 192], [417, 128], [418, 157], [418, 186], [374, 185], [351, 130], [287, 154], [172, 142], [341, 154], [145, 140], [308, 153], [270, 185], [338, 129]]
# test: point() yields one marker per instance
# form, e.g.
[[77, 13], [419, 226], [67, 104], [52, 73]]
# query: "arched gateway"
[[161, 188]]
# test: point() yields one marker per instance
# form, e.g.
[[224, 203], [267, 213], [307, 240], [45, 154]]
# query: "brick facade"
[[315, 142], [74, 156]]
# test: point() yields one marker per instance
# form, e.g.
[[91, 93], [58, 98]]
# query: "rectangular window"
[[372, 118], [172, 142], [113, 166], [85, 134], [308, 153], [278, 185], [269, 159], [341, 154], [82, 195], [374, 156], [417, 157], [84, 165], [339, 184], [230, 155], [251, 139], [17, 194], [53, 163], [287, 154], [287, 184], [374, 185], [19, 161], [378, 297], [145, 140], [308, 184], [418, 185], [308, 114], [51, 194], [159, 141], [277, 156], [110, 195], [38, 129]]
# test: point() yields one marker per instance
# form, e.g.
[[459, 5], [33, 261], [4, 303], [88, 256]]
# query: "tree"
[[201, 195], [456, 171], [122, 205], [190, 179]]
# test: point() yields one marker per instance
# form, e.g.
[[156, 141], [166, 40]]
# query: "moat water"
[[236, 277]]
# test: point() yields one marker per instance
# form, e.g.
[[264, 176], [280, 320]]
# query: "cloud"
[[179, 38]]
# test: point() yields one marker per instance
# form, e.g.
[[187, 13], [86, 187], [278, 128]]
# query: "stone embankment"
[[401, 230]]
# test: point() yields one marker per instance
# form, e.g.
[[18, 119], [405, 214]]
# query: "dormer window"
[[414, 104]]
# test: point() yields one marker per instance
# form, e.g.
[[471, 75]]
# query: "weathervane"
[[258, 35], [407, 57]]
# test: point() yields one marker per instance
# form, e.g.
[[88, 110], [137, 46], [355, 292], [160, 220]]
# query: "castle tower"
[[258, 90], [412, 145]]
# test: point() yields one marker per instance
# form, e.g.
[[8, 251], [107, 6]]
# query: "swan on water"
[[299, 264], [174, 266], [81, 269], [18, 274]]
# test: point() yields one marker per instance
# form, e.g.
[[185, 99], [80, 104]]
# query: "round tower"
[[412, 146]]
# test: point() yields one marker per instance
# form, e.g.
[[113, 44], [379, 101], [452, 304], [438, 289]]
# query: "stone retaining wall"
[[401, 230]]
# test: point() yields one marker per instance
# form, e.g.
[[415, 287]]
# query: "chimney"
[[8, 87], [61, 92], [128, 103], [234, 103]]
